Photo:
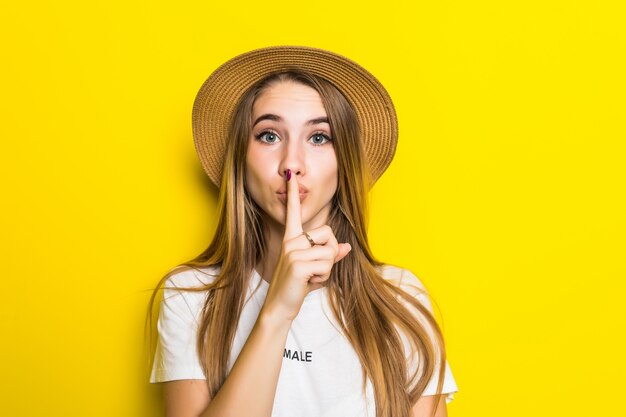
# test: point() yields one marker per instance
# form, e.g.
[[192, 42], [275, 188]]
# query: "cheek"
[[330, 177], [252, 182], [251, 178], [255, 178], [333, 171]]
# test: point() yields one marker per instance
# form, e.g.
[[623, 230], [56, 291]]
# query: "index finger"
[[293, 220]]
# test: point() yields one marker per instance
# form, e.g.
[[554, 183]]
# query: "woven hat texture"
[[220, 94]]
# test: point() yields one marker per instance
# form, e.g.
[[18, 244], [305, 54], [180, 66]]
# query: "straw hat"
[[220, 94]]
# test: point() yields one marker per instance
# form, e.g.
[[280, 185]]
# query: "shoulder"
[[186, 277], [406, 280], [183, 289], [403, 278]]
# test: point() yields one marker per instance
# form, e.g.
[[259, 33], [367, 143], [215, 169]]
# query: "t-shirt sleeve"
[[176, 356], [411, 284]]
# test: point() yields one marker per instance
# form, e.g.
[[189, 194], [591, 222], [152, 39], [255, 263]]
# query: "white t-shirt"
[[320, 376]]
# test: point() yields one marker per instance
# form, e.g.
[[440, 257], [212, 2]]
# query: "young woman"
[[287, 312]]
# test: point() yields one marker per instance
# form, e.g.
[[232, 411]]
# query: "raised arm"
[[250, 387]]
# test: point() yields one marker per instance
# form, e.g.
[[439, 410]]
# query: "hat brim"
[[220, 94]]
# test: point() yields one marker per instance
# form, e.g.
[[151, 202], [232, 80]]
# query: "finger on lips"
[[323, 236], [293, 222]]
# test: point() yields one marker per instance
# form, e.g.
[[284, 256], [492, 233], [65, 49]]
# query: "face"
[[291, 131]]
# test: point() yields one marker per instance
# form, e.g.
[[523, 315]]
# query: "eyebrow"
[[277, 118]]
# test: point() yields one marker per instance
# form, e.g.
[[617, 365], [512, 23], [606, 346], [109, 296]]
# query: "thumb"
[[344, 249]]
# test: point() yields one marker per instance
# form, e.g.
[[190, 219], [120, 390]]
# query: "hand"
[[301, 268]]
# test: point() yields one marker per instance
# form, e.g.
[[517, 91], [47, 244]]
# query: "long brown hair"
[[364, 303]]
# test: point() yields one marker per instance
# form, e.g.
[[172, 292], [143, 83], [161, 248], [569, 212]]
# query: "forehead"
[[288, 95]]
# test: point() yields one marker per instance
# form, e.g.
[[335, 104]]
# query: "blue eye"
[[270, 137], [320, 139]]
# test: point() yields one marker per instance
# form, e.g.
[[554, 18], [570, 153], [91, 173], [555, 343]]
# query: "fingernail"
[[288, 174]]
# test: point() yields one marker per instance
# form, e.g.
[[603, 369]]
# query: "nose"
[[293, 158]]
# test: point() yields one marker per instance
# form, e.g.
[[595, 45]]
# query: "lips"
[[283, 197], [282, 193], [301, 188]]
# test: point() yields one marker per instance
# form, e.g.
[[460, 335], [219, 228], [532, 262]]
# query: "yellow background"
[[506, 196]]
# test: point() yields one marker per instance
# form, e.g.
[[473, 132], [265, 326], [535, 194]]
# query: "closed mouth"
[[283, 197]]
